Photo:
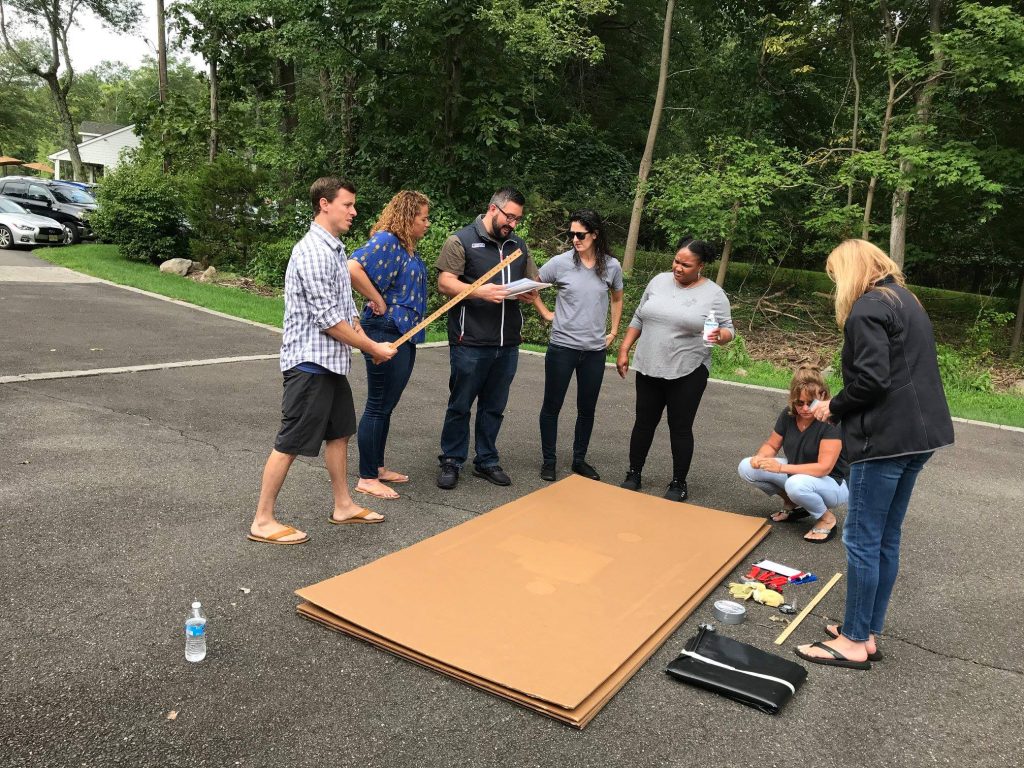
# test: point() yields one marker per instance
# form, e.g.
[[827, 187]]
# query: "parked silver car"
[[19, 227]]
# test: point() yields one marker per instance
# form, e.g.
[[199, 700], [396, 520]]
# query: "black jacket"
[[477, 323], [892, 403]]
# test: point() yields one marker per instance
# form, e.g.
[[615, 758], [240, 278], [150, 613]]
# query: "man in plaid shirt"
[[320, 328]]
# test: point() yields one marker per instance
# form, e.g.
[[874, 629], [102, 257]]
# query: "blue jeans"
[[384, 386], [879, 494], [559, 365], [815, 494], [483, 374]]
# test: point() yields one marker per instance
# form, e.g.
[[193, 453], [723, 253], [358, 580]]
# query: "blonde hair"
[[807, 377], [855, 266], [398, 216]]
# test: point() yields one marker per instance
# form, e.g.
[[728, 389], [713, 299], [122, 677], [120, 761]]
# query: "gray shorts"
[[315, 407]]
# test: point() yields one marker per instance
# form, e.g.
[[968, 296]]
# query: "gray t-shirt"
[[581, 307], [671, 321]]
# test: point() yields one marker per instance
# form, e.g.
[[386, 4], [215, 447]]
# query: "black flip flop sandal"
[[837, 659], [876, 656], [794, 514]]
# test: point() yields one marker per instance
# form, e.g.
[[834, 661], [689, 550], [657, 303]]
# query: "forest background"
[[782, 128]]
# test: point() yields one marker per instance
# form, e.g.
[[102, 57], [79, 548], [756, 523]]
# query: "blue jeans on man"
[[879, 495], [484, 375], [384, 386]]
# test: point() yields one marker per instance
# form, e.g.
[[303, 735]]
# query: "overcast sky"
[[91, 43]]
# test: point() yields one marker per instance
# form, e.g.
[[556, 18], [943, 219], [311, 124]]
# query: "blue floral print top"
[[400, 278]]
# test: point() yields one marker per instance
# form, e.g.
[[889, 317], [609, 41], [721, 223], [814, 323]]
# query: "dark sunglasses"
[[577, 235]]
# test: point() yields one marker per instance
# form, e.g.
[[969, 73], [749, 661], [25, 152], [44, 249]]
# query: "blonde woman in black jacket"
[[894, 415]]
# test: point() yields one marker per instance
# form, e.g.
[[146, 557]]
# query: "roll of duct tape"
[[728, 612]]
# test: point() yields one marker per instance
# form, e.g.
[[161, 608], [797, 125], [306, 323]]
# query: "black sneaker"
[[493, 474], [582, 468], [547, 472], [632, 481], [677, 491], [448, 477]]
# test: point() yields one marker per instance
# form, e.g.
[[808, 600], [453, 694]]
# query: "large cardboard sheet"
[[552, 601]]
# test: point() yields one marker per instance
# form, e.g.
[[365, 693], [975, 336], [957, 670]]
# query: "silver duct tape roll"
[[728, 612]]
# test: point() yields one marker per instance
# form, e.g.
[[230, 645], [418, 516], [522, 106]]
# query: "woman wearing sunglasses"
[[587, 275], [811, 480]]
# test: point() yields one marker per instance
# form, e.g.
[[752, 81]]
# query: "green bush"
[[140, 211], [269, 261], [228, 212], [962, 373]]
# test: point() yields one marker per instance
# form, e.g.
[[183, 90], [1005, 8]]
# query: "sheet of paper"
[[523, 285], [782, 570]]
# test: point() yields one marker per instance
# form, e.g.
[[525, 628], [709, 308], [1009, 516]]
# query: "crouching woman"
[[811, 480]]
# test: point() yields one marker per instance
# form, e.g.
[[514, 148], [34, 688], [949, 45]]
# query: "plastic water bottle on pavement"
[[710, 324], [195, 633]]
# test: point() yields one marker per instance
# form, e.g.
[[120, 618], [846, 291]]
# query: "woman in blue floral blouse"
[[389, 272]]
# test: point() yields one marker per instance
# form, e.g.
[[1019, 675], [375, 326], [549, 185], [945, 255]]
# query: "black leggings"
[[682, 396]]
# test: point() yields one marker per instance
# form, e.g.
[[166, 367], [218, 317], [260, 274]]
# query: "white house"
[[100, 148]]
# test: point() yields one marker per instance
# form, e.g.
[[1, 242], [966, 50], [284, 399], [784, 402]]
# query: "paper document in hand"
[[524, 285]]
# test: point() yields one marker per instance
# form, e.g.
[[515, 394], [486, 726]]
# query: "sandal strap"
[[286, 531], [832, 651]]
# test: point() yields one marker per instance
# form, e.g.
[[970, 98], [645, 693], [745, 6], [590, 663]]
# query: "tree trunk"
[[901, 197], [67, 124], [348, 106], [286, 80], [1018, 325], [161, 73], [856, 102], [452, 102], [883, 146], [652, 134], [327, 95], [214, 108], [723, 264]]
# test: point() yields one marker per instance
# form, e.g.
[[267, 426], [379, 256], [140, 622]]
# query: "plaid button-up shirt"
[[317, 295]]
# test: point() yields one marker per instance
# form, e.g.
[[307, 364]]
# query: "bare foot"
[[390, 476], [826, 523], [851, 650], [870, 645], [375, 488], [274, 531], [356, 514]]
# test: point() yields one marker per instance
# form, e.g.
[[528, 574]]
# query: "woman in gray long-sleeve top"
[[672, 362]]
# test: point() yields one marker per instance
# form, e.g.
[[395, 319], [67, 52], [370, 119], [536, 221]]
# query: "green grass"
[[992, 407], [105, 262]]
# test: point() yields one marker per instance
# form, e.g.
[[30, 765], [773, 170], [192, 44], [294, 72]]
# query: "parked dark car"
[[68, 204]]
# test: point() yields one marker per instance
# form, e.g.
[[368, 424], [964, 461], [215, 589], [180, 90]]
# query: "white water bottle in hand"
[[195, 633], [710, 324]]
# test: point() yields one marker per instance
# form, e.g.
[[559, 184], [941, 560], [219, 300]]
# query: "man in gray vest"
[[484, 334]]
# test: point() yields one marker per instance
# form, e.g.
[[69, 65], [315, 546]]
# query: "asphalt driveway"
[[124, 496]]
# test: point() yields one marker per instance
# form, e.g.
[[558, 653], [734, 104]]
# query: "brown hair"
[[326, 188], [398, 216], [855, 266], [806, 377]]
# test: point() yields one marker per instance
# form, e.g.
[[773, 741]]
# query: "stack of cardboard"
[[552, 601]]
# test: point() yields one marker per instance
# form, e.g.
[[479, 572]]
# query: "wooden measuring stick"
[[814, 601], [456, 299]]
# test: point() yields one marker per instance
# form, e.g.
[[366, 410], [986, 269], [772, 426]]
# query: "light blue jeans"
[[880, 494], [815, 494]]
